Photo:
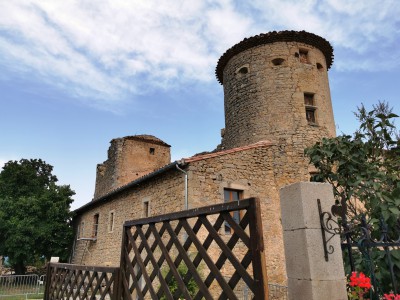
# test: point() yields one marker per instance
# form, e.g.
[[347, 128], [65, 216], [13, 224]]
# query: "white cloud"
[[367, 30], [111, 49]]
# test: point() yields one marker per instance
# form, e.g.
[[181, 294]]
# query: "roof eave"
[[136, 182]]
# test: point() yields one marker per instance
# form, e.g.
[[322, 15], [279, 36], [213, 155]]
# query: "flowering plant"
[[391, 296], [359, 286]]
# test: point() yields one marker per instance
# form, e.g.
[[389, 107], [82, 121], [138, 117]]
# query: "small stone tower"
[[276, 88], [129, 158]]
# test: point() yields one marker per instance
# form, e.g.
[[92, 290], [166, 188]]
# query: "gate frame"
[[347, 233], [252, 205]]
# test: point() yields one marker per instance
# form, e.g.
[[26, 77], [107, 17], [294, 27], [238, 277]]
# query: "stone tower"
[[276, 88], [129, 158]]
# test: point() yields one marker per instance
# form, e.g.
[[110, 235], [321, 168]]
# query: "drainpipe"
[[186, 187]]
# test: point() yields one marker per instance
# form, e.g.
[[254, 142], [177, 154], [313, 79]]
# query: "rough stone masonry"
[[277, 102]]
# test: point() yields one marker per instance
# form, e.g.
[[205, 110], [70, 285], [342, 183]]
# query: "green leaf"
[[394, 210]]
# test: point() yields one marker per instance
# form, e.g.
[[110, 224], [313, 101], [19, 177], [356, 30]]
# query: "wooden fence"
[[65, 281], [213, 252]]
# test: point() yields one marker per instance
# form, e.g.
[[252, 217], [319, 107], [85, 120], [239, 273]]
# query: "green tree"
[[365, 166], [173, 284], [364, 171], [34, 212]]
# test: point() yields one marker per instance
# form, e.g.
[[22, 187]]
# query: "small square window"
[[309, 99], [152, 151], [311, 109]]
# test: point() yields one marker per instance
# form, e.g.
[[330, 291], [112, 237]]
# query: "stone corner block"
[[317, 289], [299, 204]]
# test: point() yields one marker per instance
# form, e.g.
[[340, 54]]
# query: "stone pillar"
[[309, 275]]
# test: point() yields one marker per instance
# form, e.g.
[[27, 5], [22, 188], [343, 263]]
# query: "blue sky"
[[76, 73]]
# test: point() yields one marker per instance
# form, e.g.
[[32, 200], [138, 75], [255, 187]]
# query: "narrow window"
[[303, 55], [230, 196], [310, 115], [310, 108], [111, 222], [95, 225], [146, 209], [152, 151], [319, 67], [82, 230]]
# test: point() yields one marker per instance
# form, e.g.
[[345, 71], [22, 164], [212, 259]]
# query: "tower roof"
[[273, 37], [145, 138]]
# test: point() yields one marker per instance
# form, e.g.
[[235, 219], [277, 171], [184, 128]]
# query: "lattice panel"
[[81, 282], [192, 255]]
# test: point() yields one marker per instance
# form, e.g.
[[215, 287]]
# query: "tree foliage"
[[364, 166], [173, 284], [364, 170], [34, 212]]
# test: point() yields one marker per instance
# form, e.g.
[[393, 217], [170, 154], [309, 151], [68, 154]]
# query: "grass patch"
[[22, 297]]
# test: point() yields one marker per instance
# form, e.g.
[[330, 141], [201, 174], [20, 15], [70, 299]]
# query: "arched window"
[[242, 71]]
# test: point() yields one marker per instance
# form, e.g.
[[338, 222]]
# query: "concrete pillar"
[[309, 275]]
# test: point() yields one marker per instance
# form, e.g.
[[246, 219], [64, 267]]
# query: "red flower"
[[392, 296], [361, 281], [353, 279]]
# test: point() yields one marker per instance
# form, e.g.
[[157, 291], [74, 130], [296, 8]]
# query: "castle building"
[[277, 103]]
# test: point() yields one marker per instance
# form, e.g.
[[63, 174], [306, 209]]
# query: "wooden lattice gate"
[[213, 252]]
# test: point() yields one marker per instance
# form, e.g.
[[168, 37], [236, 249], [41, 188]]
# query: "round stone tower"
[[276, 88]]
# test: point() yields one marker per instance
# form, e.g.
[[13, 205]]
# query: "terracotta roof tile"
[[229, 151]]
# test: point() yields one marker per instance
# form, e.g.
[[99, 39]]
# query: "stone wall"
[[129, 158], [264, 94], [164, 194], [264, 101], [258, 172], [253, 171]]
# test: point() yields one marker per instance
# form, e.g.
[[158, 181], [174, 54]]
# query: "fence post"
[[48, 282], [257, 250], [310, 276], [121, 272], [117, 285]]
